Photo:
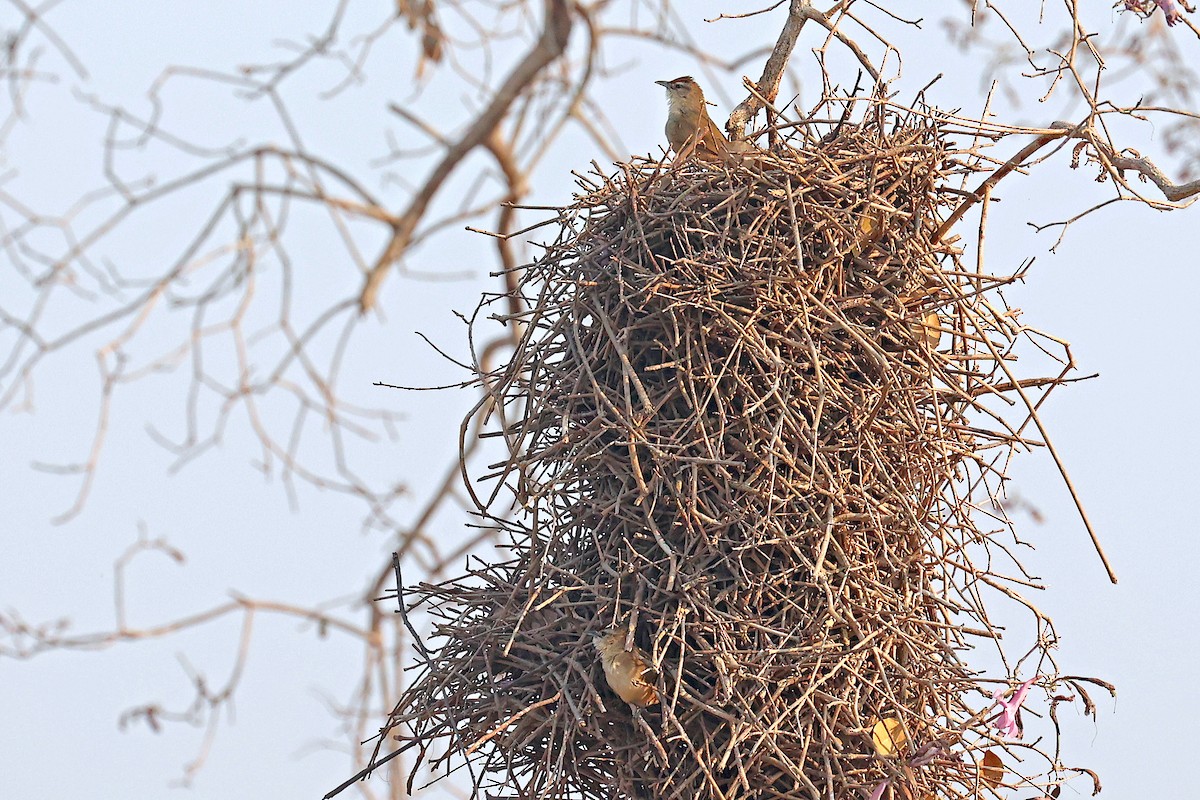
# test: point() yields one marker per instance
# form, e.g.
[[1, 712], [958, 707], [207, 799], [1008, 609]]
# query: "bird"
[[690, 130], [628, 672]]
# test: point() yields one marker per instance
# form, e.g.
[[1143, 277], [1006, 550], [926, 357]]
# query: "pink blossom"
[[1008, 722], [926, 754], [1170, 10]]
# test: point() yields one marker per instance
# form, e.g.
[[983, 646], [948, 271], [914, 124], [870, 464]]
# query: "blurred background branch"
[[189, 207]]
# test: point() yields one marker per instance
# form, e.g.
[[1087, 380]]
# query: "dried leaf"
[[888, 736], [431, 43], [991, 769], [870, 230], [929, 328]]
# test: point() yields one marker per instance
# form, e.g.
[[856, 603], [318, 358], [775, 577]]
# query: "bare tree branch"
[[550, 45], [799, 12]]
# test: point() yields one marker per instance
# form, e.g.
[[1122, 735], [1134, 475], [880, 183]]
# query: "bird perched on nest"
[[628, 672], [691, 131]]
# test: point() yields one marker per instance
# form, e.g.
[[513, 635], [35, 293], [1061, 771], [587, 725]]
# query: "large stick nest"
[[753, 415]]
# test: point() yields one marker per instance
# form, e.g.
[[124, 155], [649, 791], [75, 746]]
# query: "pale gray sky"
[[1122, 289]]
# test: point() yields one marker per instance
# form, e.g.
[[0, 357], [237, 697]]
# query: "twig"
[[550, 45]]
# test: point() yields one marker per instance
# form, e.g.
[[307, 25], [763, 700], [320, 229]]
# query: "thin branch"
[[550, 45], [799, 12]]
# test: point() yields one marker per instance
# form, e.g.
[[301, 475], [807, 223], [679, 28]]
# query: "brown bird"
[[689, 127], [628, 672]]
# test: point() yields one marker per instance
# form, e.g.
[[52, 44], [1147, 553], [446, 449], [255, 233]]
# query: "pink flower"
[[1170, 11], [1009, 722], [926, 754]]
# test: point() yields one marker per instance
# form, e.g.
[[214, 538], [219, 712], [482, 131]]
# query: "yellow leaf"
[[888, 736], [991, 770], [870, 229]]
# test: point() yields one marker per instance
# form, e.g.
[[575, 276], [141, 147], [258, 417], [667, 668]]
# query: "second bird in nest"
[[628, 672]]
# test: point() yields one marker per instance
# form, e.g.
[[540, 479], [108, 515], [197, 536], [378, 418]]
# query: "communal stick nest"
[[759, 417]]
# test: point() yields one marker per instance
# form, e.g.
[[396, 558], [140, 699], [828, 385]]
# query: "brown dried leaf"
[[928, 328], [991, 769]]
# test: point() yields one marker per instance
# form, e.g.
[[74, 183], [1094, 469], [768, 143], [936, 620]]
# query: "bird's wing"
[[701, 142], [646, 671], [626, 664], [714, 134]]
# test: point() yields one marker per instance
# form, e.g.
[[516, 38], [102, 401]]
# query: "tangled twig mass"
[[761, 414]]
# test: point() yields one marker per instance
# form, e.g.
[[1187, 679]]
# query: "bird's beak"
[[662, 83]]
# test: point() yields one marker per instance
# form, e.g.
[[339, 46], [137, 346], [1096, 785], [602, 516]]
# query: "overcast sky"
[[1121, 288]]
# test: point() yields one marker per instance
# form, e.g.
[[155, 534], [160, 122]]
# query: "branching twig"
[[550, 45]]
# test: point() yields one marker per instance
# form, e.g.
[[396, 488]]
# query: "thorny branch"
[[799, 12], [1111, 163]]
